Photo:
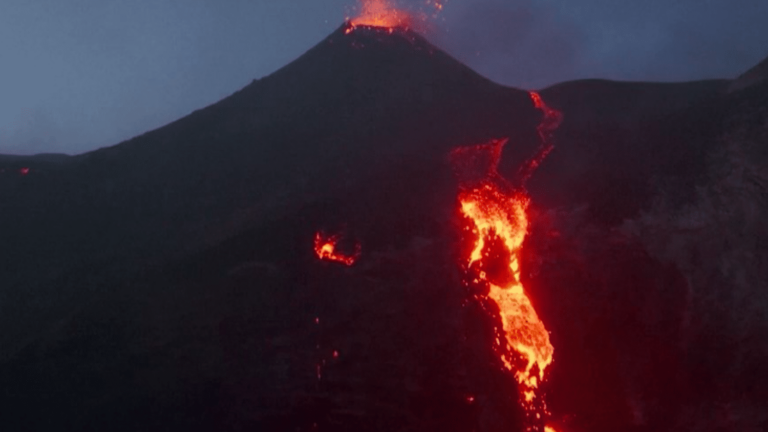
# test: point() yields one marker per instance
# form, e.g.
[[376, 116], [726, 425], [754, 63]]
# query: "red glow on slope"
[[551, 120], [326, 249], [496, 216], [24, 171]]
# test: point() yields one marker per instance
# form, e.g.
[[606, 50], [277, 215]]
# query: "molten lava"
[[325, 248], [495, 211], [380, 14], [499, 220]]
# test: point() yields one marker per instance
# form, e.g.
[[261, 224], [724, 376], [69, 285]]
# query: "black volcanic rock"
[[660, 241], [616, 136], [169, 282], [599, 101]]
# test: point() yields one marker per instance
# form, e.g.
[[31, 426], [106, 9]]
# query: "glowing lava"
[[380, 14], [496, 214], [325, 248], [500, 223]]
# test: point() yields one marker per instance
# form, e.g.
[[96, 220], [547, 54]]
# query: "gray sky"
[[82, 74]]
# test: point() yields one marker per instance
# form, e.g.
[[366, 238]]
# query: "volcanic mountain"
[[170, 282]]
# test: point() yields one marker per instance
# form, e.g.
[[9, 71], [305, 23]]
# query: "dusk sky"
[[81, 74]]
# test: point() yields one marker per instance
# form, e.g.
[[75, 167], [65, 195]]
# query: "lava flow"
[[495, 211], [325, 248]]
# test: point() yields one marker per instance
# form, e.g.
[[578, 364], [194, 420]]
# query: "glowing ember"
[[24, 171], [381, 14], [496, 213], [325, 248]]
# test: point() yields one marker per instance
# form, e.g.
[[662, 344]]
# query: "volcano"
[[174, 281]]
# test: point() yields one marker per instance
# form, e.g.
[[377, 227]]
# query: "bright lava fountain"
[[496, 215], [384, 14], [380, 13]]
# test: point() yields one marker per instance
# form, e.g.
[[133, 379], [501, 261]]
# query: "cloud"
[[523, 43], [532, 43]]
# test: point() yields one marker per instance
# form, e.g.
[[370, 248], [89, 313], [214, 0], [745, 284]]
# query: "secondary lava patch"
[[326, 248]]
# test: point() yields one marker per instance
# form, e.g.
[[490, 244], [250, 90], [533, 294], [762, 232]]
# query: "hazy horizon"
[[91, 74]]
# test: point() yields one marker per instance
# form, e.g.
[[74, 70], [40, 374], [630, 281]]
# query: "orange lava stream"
[[499, 223], [382, 14], [325, 248], [497, 213]]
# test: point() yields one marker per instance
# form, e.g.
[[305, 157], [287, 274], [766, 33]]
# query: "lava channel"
[[495, 212]]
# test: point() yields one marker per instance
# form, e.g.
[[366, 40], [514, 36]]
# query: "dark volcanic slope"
[[656, 227], [168, 282], [353, 107], [600, 101], [617, 135]]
